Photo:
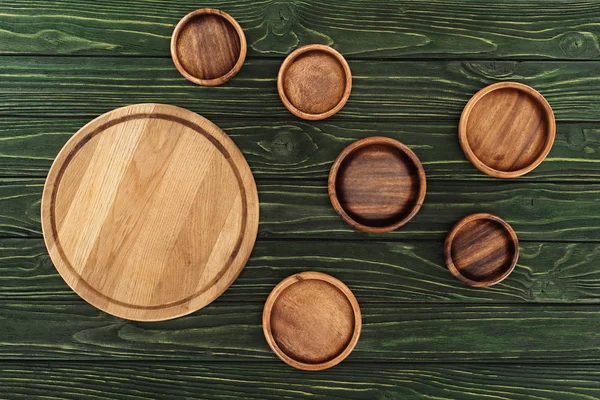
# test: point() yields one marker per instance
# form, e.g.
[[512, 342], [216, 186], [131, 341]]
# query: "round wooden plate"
[[481, 250], [377, 184], [314, 82], [208, 47], [507, 129], [312, 321], [149, 212]]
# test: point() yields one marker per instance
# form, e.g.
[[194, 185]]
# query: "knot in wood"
[[494, 69], [281, 17], [579, 44], [283, 144]]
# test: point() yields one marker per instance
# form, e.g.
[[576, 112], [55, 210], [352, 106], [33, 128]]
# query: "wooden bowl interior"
[[378, 185], [312, 321], [314, 82], [208, 46], [508, 130], [483, 251]]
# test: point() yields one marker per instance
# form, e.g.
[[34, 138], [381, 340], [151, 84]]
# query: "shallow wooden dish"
[[208, 47], [149, 212], [312, 321], [314, 82], [377, 184], [481, 250], [507, 129]]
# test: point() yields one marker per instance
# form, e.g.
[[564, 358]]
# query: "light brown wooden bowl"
[[149, 212], [314, 82], [377, 184], [481, 250], [312, 321], [507, 129], [208, 47]]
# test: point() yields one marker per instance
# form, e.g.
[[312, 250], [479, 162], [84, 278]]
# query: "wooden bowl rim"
[[291, 58], [450, 241], [175, 53], [374, 140], [276, 292], [463, 129]]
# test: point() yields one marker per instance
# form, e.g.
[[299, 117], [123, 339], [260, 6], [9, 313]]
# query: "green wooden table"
[[415, 65]]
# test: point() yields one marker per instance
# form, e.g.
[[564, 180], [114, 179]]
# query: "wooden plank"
[[376, 271], [532, 29], [295, 149], [20, 207], [537, 211], [273, 380], [232, 331], [408, 90]]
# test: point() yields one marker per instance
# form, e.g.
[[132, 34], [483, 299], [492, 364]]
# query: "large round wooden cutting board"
[[150, 212]]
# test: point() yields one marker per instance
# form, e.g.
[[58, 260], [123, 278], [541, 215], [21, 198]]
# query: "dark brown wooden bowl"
[[507, 129], [312, 321], [314, 82], [377, 184], [208, 47], [481, 250]]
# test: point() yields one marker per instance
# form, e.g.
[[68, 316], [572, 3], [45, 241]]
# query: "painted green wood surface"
[[225, 331], [537, 211], [140, 381], [408, 90], [360, 28], [299, 149], [415, 65], [376, 271]]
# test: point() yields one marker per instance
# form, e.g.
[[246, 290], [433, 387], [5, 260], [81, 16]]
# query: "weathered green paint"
[[359, 28], [406, 90], [296, 210], [300, 149], [415, 65], [274, 380], [537, 211], [232, 331], [376, 271]]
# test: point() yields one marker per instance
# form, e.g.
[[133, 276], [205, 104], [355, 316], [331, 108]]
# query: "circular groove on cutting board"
[[150, 212]]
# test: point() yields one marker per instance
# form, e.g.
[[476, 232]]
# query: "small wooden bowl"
[[312, 321], [377, 184], [481, 250], [314, 82], [507, 129], [208, 47]]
